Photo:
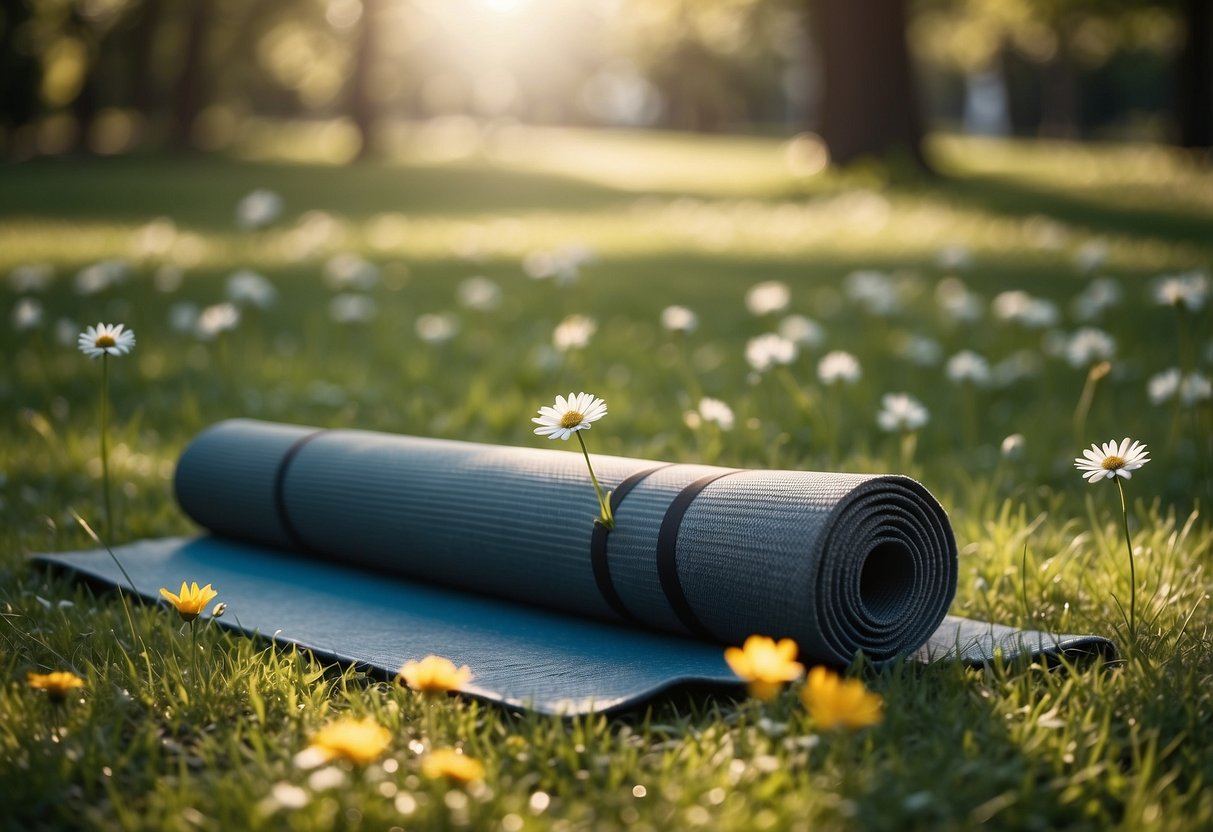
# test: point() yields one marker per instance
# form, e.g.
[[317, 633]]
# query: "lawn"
[[1044, 260]]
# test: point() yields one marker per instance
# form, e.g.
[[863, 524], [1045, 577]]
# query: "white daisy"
[[479, 293], [436, 327], [714, 410], [569, 415], [574, 333], [1195, 388], [1089, 345], [1111, 460], [901, 412], [1013, 446], [352, 308], [678, 319], [767, 298], [106, 339], [216, 319], [258, 209], [247, 288], [768, 350], [967, 365], [1188, 290], [838, 366], [1163, 386], [802, 330], [27, 314]]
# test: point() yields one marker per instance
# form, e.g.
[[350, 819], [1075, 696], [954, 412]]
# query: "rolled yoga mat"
[[374, 548]]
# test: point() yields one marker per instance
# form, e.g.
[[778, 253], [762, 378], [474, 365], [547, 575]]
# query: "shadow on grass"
[[1092, 209]]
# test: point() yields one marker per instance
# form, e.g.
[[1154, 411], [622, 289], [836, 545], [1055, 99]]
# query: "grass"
[[671, 219]]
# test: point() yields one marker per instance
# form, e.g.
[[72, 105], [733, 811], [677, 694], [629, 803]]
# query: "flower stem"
[[606, 518], [1124, 511], [194, 657], [105, 466]]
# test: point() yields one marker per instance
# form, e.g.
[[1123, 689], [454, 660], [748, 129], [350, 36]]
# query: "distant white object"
[[986, 110]]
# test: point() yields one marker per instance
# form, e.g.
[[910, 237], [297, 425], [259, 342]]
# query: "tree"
[[361, 103], [869, 105], [191, 91], [1194, 99]]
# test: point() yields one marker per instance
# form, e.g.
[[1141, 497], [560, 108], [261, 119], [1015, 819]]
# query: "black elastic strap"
[[667, 555], [284, 519], [598, 547]]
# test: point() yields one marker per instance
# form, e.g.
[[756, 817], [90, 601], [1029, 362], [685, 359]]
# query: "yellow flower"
[[449, 763], [765, 665], [833, 701], [357, 740], [191, 601], [57, 684], [434, 674]]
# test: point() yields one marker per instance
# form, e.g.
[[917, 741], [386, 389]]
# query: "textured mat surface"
[[375, 549]]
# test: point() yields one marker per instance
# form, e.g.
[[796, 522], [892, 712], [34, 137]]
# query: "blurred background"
[[369, 77]]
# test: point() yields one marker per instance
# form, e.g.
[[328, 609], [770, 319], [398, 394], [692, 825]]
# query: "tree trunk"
[[869, 103], [20, 70], [361, 103], [142, 65], [1194, 99], [190, 96]]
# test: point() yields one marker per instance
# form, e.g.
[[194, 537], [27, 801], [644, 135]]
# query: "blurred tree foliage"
[[109, 75]]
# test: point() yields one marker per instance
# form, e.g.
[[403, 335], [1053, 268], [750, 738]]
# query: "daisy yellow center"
[[571, 419], [105, 341], [1113, 463]]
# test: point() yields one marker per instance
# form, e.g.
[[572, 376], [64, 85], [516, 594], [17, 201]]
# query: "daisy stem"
[[606, 518], [105, 466], [1124, 511], [194, 656]]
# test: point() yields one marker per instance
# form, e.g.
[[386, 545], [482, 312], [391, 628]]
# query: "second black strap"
[[667, 555]]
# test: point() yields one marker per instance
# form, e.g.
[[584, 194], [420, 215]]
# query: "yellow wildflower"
[[834, 701], [357, 740], [434, 674], [451, 764], [57, 684], [191, 601], [765, 665]]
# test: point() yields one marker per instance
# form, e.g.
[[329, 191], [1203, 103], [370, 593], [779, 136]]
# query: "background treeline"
[[106, 76]]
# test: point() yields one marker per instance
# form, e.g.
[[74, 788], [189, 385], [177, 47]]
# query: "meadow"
[[1033, 299]]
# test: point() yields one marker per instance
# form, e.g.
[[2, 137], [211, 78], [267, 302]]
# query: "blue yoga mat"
[[374, 549]]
